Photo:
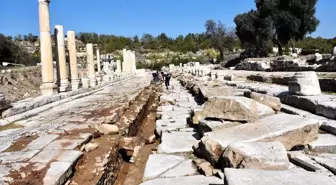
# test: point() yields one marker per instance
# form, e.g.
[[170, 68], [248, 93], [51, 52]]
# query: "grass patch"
[[10, 126]]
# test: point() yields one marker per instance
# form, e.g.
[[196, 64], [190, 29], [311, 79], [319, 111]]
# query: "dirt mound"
[[21, 83]]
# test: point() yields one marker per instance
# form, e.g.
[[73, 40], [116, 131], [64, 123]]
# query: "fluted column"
[[73, 60], [48, 86], [90, 65], [62, 69]]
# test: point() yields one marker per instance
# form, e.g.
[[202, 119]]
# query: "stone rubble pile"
[[240, 134], [315, 62]]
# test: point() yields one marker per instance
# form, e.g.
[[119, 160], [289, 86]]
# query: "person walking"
[[167, 79], [155, 78]]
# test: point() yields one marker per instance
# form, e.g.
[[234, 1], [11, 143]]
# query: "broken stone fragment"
[[112, 119], [272, 102], [256, 155], [90, 146], [129, 143], [151, 139], [135, 153], [108, 129], [197, 117], [231, 108], [203, 166]]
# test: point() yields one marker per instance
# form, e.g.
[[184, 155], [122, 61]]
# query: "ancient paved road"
[[21, 144]]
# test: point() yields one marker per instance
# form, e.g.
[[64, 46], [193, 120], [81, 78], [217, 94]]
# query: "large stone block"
[[231, 108], [208, 92], [270, 101], [256, 155], [290, 130], [235, 109], [305, 84], [287, 177]]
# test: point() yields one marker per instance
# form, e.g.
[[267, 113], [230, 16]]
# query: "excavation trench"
[[142, 129], [108, 165]]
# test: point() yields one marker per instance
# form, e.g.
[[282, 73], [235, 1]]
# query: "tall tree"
[[221, 38], [281, 21]]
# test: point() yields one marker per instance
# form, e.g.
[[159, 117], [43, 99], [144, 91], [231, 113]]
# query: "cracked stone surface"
[[61, 130]]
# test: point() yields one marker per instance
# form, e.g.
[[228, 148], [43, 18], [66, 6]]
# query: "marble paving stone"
[[19, 156], [185, 142], [41, 142], [64, 144], [185, 168], [189, 180], [287, 177], [57, 155], [300, 159], [158, 164], [330, 164], [58, 173], [326, 143]]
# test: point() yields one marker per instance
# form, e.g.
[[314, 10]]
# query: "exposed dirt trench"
[[137, 120], [144, 127]]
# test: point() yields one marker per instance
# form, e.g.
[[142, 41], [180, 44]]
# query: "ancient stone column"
[[118, 66], [90, 65], [334, 51], [73, 60], [62, 69], [304, 84], [48, 86], [125, 60], [133, 64], [98, 60]]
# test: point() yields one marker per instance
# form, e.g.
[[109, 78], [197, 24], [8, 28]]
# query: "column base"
[[64, 86], [93, 82], [75, 84], [85, 83], [48, 89]]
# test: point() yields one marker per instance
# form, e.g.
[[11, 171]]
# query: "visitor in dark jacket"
[[167, 79]]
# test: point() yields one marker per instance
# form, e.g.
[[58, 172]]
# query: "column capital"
[[44, 2]]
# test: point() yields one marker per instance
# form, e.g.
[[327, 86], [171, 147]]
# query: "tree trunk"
[[293, 46], [276, 42], [221, 54]]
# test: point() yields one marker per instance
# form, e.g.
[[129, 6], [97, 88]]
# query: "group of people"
[[162, 76]]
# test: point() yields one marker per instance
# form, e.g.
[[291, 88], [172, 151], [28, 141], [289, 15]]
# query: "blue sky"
[[130, 17]]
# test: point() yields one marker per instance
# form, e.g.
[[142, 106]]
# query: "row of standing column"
[[48, 86]]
